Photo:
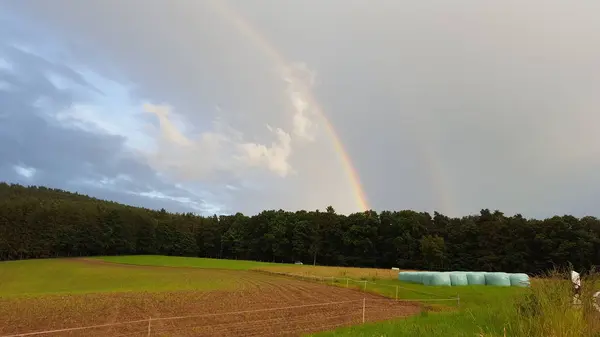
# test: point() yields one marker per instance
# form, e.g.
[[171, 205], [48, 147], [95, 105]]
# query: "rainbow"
[[280, 61], [439, 181]]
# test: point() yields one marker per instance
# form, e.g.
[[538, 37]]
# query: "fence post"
[[149, 326], [364, 300], [396, 293], [365, 287], [346, 282]]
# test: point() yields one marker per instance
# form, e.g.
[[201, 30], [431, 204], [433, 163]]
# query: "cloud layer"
[[196, 107]]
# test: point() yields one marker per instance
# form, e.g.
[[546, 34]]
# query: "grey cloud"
[[141, 201], [171, 55], [29, 65], [450, 106], [68, 157], [494, 91], [228, 72]]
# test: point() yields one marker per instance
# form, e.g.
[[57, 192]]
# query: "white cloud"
[[168, 130], [25, 48], [191, 200], [299, 81], [82, 116], [5, 65], [198, 158], [60, 82], [274, 157], [102, 106], [201, 207], [100, 118], [25, 171], [104, 182], [221, 149]]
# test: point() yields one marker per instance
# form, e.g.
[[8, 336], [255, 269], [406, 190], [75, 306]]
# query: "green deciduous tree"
[[40, 222]]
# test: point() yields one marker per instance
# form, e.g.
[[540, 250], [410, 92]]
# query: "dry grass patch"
[[326, 271]]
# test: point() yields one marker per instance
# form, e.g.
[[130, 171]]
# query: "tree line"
[[40, 222]]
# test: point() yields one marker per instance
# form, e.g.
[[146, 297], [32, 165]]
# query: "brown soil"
[[267, 306], [263, 305]]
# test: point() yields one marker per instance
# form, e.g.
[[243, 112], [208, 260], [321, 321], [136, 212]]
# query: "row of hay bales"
[[463, 278]]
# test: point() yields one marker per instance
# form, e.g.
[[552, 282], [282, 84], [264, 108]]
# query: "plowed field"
[[258, 305]]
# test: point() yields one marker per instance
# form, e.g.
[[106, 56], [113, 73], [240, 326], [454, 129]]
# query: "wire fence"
[[352, 311], [264, 321]]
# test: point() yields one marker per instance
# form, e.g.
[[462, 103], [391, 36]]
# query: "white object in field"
[[596, 301], [298, 262], [394, 268], [575, 278]]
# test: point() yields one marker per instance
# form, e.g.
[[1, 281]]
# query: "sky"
[[221, 106]]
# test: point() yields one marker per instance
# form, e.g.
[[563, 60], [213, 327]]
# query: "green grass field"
[[63, 276], [543, 310], [483, 311], [481, 307], [480, 310]]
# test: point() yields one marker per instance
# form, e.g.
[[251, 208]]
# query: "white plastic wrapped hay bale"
[[426, 277], [476, 278], [418, 277], [404, 276], [439, 279], [409, 277], [519, 280], [458, 278], [498, 279], [413, 277]]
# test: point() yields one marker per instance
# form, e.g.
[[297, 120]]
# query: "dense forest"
[[39, 222]]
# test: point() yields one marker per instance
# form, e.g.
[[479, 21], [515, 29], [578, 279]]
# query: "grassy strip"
[[177, 261], [64, 276]]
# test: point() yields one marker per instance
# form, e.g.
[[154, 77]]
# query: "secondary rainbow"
[[280, 61]]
